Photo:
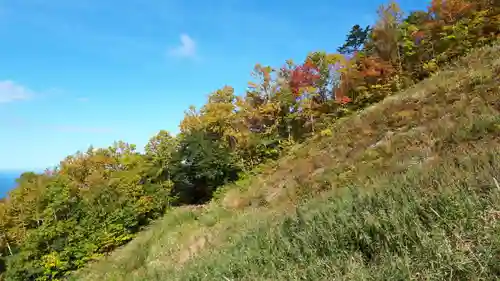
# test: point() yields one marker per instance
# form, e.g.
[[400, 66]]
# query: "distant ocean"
[[7, 182]]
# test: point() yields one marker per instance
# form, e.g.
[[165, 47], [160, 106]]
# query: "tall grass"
[[438, 224]]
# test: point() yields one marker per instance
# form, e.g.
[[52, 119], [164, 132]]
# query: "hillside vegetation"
[[379, 162], [410, 192]]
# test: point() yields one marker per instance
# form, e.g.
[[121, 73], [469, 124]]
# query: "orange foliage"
[[374, 67], [368, 70], [450, 10]]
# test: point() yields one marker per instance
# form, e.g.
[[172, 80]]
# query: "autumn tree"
[[450, 11], [386, 35]]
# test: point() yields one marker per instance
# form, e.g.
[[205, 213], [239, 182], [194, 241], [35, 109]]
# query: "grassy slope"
[[404, 190]]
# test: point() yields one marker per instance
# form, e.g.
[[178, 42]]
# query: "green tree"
[[201, 165], [355, 40], [159, 152]]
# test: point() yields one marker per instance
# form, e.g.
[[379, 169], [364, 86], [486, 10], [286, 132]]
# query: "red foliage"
[[304, 75], [344, 100]]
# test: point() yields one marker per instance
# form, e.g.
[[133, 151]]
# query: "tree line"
[[94, 201]]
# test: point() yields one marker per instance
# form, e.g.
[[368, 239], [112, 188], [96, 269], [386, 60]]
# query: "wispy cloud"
[[186, 49], [80, 129], [10, 91]]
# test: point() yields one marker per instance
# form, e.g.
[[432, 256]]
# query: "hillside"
[[405, 190], [378, 161]]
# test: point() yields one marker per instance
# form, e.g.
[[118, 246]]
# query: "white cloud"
[[11, 91], [187, 48]]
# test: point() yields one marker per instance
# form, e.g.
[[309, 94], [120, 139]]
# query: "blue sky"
[[76, 73]]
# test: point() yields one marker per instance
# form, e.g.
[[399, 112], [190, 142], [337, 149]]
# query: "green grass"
[[405, 190], [433, 225]]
